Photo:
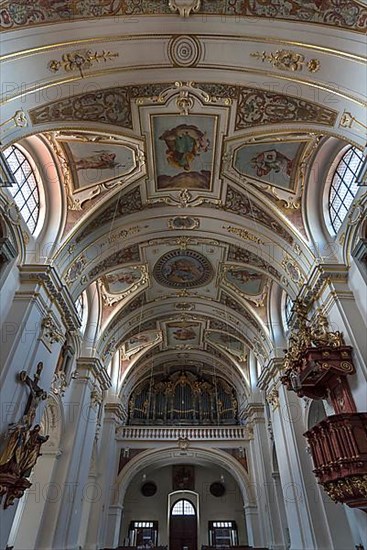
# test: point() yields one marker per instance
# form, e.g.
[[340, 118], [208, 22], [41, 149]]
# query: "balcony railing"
[[190, 432]]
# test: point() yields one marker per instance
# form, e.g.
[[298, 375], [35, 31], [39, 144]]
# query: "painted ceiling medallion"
[[184, 7], [183, 269]]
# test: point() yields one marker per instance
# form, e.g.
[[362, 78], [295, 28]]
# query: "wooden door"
[[183, 526]]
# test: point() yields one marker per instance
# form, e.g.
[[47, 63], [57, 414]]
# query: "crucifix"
[[36, 395]]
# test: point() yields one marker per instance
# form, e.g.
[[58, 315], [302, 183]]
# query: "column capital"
[[250, 509], [92, 368], [116, 412], [47, 277], [270, 373], [7, 250], [255, 412], [322, 276]]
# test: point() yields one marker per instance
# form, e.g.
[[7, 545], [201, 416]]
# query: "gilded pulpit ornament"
[[184, 7], [22, 444], [317, 361], [316, 365]]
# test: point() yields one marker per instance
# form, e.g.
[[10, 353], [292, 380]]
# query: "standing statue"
[[10, 457], [32, 450]]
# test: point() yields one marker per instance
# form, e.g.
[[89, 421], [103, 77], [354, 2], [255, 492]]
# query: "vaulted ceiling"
[[185, 147]]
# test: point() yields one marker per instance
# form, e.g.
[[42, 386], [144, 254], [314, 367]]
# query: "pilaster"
[[107, 464], [32, 333], [61, 520], [260, 463], [113, 527]]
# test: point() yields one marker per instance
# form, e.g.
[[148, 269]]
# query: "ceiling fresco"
[[117, 285], [228, 343], [254, 107], [21, 13], [272, 163], [184, 148], [183, 269], [93, 164]]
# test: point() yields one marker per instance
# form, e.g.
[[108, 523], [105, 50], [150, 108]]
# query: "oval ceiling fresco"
[[183, 269]]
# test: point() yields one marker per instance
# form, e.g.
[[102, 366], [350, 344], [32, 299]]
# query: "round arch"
[[201, 456], [168, 456]]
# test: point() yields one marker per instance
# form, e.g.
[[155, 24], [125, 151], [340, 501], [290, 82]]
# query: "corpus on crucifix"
[[37, 394]]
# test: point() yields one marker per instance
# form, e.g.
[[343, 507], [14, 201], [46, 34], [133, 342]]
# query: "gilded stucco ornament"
[[287, 60], [184, 7], [183, 222], [244, 234], [293, 270], [96, 397], [80, 60], [18, 120], [50, 333], [273, 398], [347, 120], [59, 383]]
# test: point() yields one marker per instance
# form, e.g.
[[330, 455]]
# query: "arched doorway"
[[183, 526], [156, 465]]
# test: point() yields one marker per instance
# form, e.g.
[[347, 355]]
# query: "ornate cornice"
[[47, 276], [115, 411], [92, 368], [254, 413], [322, 275], [270, 373], [7, 250]]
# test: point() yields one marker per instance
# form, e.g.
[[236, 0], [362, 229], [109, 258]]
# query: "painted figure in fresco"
[[265, 162], [139, 339], [244, 276], [184, 333], [128, 278], [100, 160], [184, 143], [183, 270]]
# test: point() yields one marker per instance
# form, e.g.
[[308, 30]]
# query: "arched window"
[[288, 304], [183, 508], [24, 190], [81, 305], [344, 186]]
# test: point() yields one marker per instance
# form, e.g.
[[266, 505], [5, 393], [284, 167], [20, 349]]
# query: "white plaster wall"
[[229, 507]]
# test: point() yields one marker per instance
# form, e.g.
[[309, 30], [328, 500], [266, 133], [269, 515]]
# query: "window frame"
[[184, 501], [222, 525], [37, 192], [344, 189]]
